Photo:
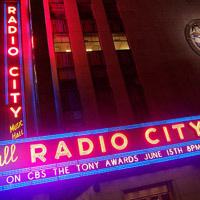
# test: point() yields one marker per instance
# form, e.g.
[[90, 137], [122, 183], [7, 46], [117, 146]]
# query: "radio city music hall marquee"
[[32, 161], [14, 85]]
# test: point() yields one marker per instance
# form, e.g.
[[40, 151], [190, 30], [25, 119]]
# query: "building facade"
[[91, 64]]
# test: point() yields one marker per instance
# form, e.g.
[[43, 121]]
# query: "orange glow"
[[123, 137], [40, 155], [80, 145], [12, 10], [11, 71], [166, 134], [196, 127], [12, 29], [14, 84], [147, 136], [13, 51], [15, 112], [178, 127], [12, 20], [14, 95], [60, 152], [102, 143]]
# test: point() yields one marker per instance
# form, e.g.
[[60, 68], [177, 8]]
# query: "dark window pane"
[[112, 11], [165, 197], [59, 26], [64, 60], [56, 1], [89, 26], [85, 11]]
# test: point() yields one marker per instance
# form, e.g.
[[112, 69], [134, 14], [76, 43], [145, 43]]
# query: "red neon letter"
[[178, 127], [147, 133], [166, 134], [12, 19], [12, 29], [13, 51], [11, 71], [196, 127], [14, 95], [13, 40], [11, 10], [124, 138], [16, 111], [14, 84], [66, 151], [102, 143], [40, 155], [80, 145]]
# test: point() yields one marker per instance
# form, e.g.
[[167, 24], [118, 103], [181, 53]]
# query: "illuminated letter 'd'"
[[40, 155], [147, 133], [80, 145], [12, 29], [66, 151]]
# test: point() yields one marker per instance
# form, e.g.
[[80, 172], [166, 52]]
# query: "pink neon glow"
[[12, 29], [12, 20], [12, 10], [14, 84], [15, 112], [13, 51], [13, 40], [14, 95], [13, 69]]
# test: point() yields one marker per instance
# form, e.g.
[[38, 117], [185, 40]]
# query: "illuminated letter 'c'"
[[13, 51], [124, 138], [11, 71], [147, 133]]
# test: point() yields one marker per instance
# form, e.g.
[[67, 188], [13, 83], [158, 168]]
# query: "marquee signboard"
[[13, 67], [44, 159]]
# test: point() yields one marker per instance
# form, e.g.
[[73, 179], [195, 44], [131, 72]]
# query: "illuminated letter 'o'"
[[123, 137], [13, 51], [10, 179]]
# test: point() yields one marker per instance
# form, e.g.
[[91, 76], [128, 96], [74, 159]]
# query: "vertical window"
[[69, 93], [120, 41], [61, 43], [92, 42], [103, 91], [134, 87]]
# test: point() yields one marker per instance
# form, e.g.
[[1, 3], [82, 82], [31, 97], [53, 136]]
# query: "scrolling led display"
[[38, 160], [14, 86]]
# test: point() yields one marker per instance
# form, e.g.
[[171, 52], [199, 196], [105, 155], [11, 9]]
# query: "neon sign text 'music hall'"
[[14, 86], [32, 161]]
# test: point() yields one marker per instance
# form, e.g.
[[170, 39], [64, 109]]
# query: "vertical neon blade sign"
[[14, 82]]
